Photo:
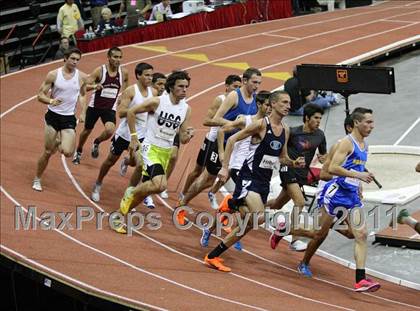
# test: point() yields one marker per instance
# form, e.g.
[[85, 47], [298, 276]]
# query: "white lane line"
[[125, 263], [77, 186], [263, 48], [407, 131], [86, 288], [293, 270], [211, 44], [308, 37], [278, 36], [190, 98]]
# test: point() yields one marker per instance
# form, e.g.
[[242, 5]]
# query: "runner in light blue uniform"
[[344, 191]]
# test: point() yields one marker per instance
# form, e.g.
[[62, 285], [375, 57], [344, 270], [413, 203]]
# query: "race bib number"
[[166, 133], [352, 181], [109, 93], [270, 162]]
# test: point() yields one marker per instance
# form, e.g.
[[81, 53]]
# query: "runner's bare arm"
[[229, 103], [149, 105], [125, 100], [124, 84], [344, 148], [93, 79], [82, 97], [211, 112], [46, 86], [254, 129], [186, 132], [239, 123], [284, 155]]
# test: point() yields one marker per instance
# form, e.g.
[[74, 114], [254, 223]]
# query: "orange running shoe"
[[224, 206], [216, 263], [180, 217]]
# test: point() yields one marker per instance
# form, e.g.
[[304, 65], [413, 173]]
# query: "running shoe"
[[216, 263], [95, 151], [126, 200], [366, 285], [148, 201], [213, 200], [205, 237], [36, 184], [76, 158], [277, 235], [305, 270], [238, 246], [118, 226], [123, 167], [164, 194], [298, 246], [96, 193]]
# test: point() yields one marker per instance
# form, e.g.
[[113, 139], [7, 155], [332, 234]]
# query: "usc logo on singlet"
[[169, 120]]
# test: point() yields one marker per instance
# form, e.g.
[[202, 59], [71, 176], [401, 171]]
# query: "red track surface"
[[163, 268]]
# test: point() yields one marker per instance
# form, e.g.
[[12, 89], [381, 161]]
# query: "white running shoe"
[[164, 194], [213, 200], [96, 193], [148, 201], [298, 246], [77, 157], [36, 184], [123, 167]]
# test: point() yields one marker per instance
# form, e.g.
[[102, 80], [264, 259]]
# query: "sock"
[[410, 221], [96, 141], [79, 150], [217, 251], [417, 227], [360, 275]]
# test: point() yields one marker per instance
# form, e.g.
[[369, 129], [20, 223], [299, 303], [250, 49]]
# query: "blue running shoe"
[[305, 270], [204, 241], [238, 245]]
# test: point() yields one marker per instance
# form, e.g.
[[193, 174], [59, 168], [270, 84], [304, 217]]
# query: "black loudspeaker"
[[347, 79]]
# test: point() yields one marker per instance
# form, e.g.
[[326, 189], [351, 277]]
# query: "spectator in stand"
[[161, 11], [69, 20], [106, 22], [135, 7], [96, 7], [64, 45], [298, 97]]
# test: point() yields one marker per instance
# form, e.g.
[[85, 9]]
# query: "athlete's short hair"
[[140, 67], [176, 75], [262, 96], [275, 96], [230, 79], [310, 109], [358, 113], [112, 50], [70, 51], [348, 122], [157, 76], [249, 72]]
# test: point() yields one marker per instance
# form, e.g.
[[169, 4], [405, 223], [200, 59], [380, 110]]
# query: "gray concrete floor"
[[393, 114]]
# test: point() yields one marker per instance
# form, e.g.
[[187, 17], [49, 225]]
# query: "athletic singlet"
[[141, 118], [355, 161], [212, 134], [240, 149], [264, 157], [164, 123], [67, 91], [106, 98], [242, 108]]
